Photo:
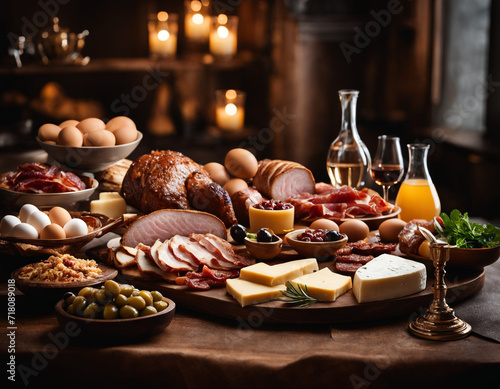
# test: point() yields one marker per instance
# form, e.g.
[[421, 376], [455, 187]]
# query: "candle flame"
[[163, 35], [222, 19], [223, 32], [231, 109], [196, 5], [230, 94], [162, 16], [197, 18]]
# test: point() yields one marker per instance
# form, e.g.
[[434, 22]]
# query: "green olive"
[[79, 304], [128, 312], [146, 295], [121, 300], [102, 297], [135, 292], [157, 296], [149, 310], [137, 302], [110, 311], [92, 311], [127, 289], [71, 309], [160, 305], [87, 292], [112, 288], [69, 297]]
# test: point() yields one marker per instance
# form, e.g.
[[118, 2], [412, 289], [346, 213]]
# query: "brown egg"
[[90, 124], [99, 138], [67, 123], [389, 229], [124, 135], [241, 163], [53, 231], [324, 224], [235, 185], [49, 132], [70, 136], [354, 229], [217, 172], [59, 215], [119, 122]]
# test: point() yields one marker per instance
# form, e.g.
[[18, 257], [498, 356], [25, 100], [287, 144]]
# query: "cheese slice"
[[112, 206], [324, 285], [248, 293], [388, 276], [262, 273], [109, 195]]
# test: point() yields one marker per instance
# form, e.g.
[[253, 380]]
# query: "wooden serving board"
[[344, 310]]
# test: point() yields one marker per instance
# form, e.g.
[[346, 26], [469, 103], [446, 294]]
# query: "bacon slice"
[[209, 278]]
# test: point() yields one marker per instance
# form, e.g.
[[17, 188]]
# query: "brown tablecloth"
[[199, 351]]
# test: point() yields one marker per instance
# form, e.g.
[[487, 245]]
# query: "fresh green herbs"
[[460, 232], [297, 295]]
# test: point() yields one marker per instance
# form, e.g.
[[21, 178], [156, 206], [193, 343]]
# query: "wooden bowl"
[[263, 251], [320, 250], [116, 330]]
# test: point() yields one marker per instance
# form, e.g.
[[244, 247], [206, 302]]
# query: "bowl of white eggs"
[[89, 145]]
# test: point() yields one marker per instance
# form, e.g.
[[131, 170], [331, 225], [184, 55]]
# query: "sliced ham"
[[199, 253], [166, 257], [153, 255], [148, 268], [280, 180], [165, 223], [222, 250], [180, 254]]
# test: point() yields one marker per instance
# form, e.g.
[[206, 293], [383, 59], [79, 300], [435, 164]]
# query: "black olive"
[[333, 236], [238, 233], [264, 235], [275, 238]]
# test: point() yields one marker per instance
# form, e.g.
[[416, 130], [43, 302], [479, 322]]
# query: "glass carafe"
[[348, 159], [417, 195]]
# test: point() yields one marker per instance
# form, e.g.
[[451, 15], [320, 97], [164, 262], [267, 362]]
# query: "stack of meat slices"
[[356, 254], [200, 261]]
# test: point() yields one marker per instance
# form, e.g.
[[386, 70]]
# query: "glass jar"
[[348, 160], [417, 197]]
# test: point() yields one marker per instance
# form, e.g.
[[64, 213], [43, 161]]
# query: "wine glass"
[[388, 166]]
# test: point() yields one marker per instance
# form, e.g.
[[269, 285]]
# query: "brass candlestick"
[[439, 322]]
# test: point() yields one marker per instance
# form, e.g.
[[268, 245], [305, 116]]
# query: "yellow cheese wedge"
[[280, 221], [109, 195], [248, 293], [324, 285], [110, 206], [264, 274]]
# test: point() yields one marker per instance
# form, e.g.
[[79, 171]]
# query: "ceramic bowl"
[[116, 330], [263, 251], [320, 250], [467, 258], [89, 159]]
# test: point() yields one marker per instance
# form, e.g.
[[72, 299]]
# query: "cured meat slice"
[[199, 253], [153, 255], [372, 248], [209, 278], [221, 249], [174, 244], [410, 237], [347, 268], [165, 223], [148, 268], [166, 257], [354, 258]]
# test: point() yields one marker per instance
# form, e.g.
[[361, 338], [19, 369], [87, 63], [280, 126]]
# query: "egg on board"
[[26, 210], [324, 224], [390, 229], [24, 231], [90, 124], [59, 215], [7, 224], [75, 227], [70, 136], [235, 185], [120, 122], [124, 135], [241, 163], [53, 231], [49, 132], [38, 220], [217, 172], [99, 138], [68, 123], [354, 229]]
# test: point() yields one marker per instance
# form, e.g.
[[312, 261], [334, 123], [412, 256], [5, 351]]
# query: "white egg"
[[25, 211], [39, 220], [75, 227], [24, 231], [7, 224]]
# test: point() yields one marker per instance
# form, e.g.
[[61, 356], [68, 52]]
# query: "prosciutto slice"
[[209, 278]]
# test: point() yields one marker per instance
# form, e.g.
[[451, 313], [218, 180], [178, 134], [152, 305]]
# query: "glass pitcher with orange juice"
[[417, 196]]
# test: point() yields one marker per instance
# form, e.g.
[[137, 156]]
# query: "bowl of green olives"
[[115, 312]]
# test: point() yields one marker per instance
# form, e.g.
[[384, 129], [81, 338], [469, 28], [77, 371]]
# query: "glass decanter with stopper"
[[348, 160], [417, 197]]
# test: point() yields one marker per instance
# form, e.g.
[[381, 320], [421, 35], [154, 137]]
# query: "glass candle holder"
[[197, 20], [163, 35], [223, 36], [230, 109]]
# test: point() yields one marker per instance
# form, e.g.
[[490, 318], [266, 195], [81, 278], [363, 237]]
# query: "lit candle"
[[163, 35], [223, 36], [197, 21], [230, 110]]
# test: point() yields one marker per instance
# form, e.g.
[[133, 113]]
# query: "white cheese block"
[[262, 273], [248, 293], [324, 285], [388, 276], [112, 206]]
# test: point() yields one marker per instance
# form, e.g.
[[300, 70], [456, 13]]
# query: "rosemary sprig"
[[297, 295]]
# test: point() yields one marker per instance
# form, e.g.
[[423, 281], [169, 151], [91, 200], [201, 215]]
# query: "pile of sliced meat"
[[338, 203]]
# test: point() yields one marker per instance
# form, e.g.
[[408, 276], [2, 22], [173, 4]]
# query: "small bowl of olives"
[[114, 313], [264, 245], [316, 243]]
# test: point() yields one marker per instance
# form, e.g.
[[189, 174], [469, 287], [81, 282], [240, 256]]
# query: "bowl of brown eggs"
[[89, 145]]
